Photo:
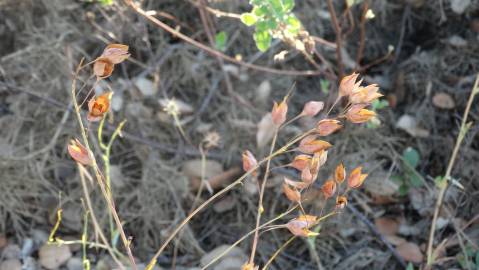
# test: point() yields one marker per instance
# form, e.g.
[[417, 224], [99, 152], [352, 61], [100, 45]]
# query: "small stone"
[[11, 264], [75, 263], [53, 256]]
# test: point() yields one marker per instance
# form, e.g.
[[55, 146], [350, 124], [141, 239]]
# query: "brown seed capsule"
[[300, 162], [79, 153], [340, 173], [348, 84], [365, 94], [311, 145], [300, 225], [249, 161], [357, 114], [116, 53], [291, 193], [356, 179], [329, 188], [278, 114], [98, 106], [328, 126], [103, 67], [341, 202]]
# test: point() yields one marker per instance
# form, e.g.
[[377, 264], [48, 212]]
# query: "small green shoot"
[[220, 41], [409, 176]]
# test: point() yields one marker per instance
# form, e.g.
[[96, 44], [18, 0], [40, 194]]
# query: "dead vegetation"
[[435, 52]]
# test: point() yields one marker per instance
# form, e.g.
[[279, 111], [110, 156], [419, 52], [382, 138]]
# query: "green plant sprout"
[[376, 106], [408, 177]]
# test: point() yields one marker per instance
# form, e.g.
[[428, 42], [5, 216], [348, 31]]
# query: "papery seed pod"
[[249, 161], [300, 162], [300, 225], [295, 184], [307, 176], [278, 114], [340, 173], [312, 108], [328, 126], [310, 145], [291, 193], [356, 114], [99, 106], [329, 188], [365, 94], [79, 153], [341, 202], [116, 53], [356, 179], [103, 67], [348, 84]]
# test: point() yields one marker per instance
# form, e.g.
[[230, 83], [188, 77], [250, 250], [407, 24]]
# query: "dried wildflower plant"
[[312, 153]]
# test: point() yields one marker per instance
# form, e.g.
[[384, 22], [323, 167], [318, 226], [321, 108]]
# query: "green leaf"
[[415, 179], [263, 40], [411, 157], [277, 6], [249, 19], [260, 11], [220, 41], [106, 2], [293, 22], [288, 5], [410, 266], [379, 104], [398, 179]]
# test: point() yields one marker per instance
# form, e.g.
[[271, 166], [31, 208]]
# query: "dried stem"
[[337, 29], [98, 176], [462, 132]]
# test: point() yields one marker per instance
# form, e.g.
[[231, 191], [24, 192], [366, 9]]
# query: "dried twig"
[[337, 29], [443, 187]]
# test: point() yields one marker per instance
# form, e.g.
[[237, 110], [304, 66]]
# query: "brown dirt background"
[[42, 41]]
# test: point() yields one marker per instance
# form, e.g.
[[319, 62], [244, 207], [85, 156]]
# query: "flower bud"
[[365, 94], [310, 145], [300, 162], [103, 67], [340, 173], [249, 161], [98, 106], [328, 189], [300, 225], [356, 179], [356, 114], [348, 84], [291, 193]]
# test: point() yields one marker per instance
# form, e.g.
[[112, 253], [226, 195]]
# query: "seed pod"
[[79, 153], [300, 162], [356, 179], [249, 161], [365, 94], [340, 173], [300, 225], [310, 145], [348, 84], [291, 193], [103, 67], [329, 188], [356, 114], [279, 112], [98, 106], [341, 202], [328, 126], [116, 53]]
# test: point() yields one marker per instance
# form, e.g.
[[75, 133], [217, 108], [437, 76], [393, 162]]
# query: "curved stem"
[[278, 251]]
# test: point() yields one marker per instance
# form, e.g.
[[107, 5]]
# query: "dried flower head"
[[310, 145], [329, 188], [357, 114], [300, 162], [328, 126], [79, 152], [279, 112], [103, 67], [300, 226], [312, 108], [340, 173], [212, 139], [249, 161], [341, 202], [365, 94], [99, 106], [348, 84], [356, 178]]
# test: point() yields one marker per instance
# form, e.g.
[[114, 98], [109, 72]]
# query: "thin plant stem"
[[261, 195], [275, 254], [265, 225], [462, 132], [219, 194], [108, 199], [337, 29]]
